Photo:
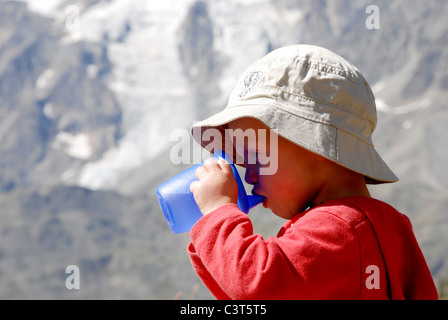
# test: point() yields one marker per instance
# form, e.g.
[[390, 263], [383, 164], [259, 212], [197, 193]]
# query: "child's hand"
[[216, 185]]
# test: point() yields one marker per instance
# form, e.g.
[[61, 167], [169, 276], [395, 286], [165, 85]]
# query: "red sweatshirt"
[[350, 248]]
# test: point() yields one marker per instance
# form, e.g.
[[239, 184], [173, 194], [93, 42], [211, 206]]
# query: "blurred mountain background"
[[91, 91]]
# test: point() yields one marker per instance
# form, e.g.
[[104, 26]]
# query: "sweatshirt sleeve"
[[305, 262]]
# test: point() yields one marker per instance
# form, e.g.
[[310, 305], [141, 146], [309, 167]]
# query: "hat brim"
[[321, 138]]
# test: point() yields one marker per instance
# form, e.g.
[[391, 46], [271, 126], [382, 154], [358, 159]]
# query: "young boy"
[[338, 242]]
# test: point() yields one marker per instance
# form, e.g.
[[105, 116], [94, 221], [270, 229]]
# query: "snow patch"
[[46, 8], [45, 79], [75, 145]]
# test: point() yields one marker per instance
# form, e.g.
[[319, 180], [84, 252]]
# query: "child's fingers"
[[210, 164], [225, 165], [193, 186], [200, 172]]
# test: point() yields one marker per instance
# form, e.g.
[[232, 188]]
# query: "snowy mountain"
[[91, 92]]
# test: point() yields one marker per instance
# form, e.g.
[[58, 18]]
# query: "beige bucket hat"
[[314, 98]]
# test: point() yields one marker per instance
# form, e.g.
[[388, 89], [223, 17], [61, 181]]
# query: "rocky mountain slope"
[[91, 91]]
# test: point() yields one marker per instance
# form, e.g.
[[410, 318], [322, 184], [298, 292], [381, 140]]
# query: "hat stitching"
[[277, 103], [327, 153], [343, 73], [323, 67], [327, 124], [318, 101]]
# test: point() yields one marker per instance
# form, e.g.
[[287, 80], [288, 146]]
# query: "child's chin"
[[267, 205]]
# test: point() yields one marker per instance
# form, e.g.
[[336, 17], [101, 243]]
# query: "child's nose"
[[251, 175]]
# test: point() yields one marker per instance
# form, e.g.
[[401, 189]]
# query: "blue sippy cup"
[[178, 204]]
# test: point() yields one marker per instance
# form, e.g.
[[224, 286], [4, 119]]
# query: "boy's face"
[[294, 185]]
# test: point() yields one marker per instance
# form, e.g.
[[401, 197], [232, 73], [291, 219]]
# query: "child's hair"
[[314, 98]]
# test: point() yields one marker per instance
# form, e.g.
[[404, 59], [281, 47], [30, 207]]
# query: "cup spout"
[[254, 200]]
